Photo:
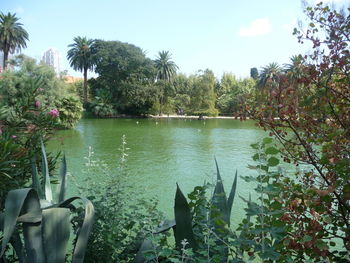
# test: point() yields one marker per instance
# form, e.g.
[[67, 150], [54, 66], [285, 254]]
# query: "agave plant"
[[184, 226], [45, 224]]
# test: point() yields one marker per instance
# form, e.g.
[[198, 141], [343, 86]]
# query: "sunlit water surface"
[[165, 152]]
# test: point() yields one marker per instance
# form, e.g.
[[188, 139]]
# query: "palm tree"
[[270, 73], [166, 68], [12, 35], [294, 69], [81, 58]]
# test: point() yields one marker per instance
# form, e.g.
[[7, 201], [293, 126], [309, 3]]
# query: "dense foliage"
[[296, 217], [307, 109], [130, 83], [126, 75], [34, 103]]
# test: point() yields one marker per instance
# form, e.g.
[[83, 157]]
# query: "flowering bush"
[[54, 113]]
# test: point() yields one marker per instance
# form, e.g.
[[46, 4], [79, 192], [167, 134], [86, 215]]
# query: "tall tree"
[[270, 73], [166, 68], [12, 35], [254, 73], [295, 69], [126, 74], [81, 58], [203, 95]]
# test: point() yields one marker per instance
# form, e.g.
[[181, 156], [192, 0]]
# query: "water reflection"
[[165, 152]]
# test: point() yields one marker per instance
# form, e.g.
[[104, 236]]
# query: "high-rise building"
[[1, 61], [10, 56], [52, 57]]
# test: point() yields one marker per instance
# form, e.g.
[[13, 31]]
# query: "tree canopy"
[[126, 74], [81, 58], [166, 68], [13, 36]]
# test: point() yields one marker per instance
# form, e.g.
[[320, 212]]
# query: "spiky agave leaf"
[[23, 201], [85, 229], [219, 201], [63, 181], [55, 233], [183, 218], [35, 179], [45, 169], [231, 197]]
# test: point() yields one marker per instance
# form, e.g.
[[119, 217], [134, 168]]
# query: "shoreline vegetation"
[[170, 116], [192, 117]]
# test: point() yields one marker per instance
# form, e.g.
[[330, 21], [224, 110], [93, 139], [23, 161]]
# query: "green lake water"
[[165, 152]]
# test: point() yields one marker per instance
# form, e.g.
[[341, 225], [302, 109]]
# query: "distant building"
[[71, 79], [2, 59], [52, 57]]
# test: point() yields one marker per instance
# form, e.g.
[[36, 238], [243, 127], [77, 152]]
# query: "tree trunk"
[[85, 86], [6, 55]]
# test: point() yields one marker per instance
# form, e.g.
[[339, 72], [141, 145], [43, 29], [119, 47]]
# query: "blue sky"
[[222, 35]]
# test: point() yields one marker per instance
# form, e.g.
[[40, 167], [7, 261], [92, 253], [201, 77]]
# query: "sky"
[[222, 35]]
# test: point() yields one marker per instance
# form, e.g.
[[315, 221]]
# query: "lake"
[[163, 152]]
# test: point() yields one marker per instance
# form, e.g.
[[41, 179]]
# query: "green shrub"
[[70, 111], [102, 109], [22, 123], [209, 112], [123, 217]]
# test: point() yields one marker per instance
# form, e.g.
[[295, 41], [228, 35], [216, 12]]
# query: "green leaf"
[[255, 146], [48, 190], [256, 157], [85, 229], [35, 179], [32, 232], [56, 229], [219, 200], [271, 151], [22, 201], [146, 245], [16, 243], [231, 197], [13, 205], [63, 182], [167, 224], [320, 244], [267, 140], [183, 219], [273, 161], [306, 238], [2, 221]]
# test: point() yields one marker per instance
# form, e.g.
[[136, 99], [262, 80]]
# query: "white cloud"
[[19, 10], [328, 1], [258, 27]]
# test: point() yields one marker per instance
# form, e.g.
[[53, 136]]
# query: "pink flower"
[[40, 89], [13, 136], [37, 104], [54, 113]]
